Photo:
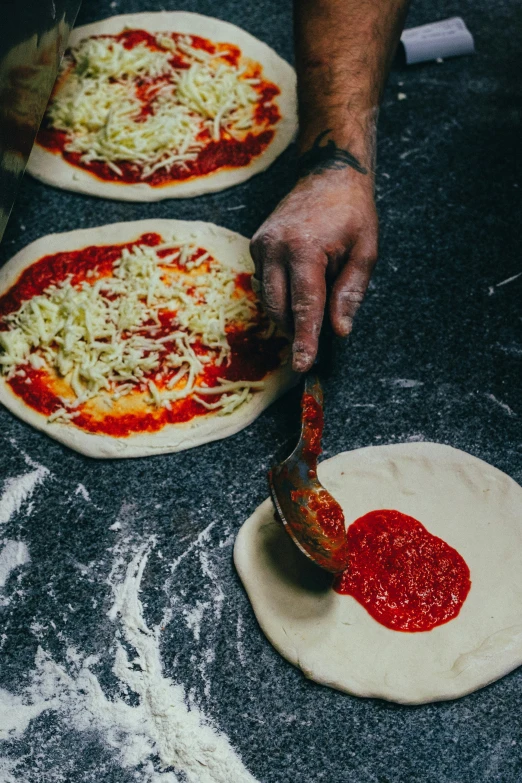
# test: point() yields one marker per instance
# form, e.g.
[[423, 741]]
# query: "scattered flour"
[[160, 726], [217, 596], [83, 491], [239, 643], [194, 617], [402, 383], [13, 554], [17, 713], [503, 405], [18, 489], [203, 536]]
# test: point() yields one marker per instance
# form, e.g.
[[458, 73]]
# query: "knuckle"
[[353, 296], [305, 253], [266, 238], [256, 246], [273, 308], [307, 302], [271, 291]]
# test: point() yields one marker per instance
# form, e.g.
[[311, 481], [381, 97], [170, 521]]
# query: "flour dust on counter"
[[17, 489], [152, 729], [12, 555], [16, 492], [429, 608]]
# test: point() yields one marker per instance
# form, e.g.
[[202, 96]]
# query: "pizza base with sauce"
[[471, 510], [161, 346], [236, 150]]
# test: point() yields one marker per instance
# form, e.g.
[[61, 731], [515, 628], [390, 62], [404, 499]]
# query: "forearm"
[[344, 49], [326, 228]]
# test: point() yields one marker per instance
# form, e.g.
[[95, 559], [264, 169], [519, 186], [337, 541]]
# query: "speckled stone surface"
[[436, 355]]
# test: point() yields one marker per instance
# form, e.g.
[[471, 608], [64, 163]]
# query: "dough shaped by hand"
[[471, 505]]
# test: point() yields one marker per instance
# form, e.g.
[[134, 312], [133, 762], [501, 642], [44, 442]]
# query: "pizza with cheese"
[[162, 105], [137, 338]]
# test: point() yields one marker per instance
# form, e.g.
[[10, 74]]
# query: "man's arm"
[[325, 231]]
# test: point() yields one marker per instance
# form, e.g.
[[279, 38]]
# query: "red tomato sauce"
[[56, 267], [313, 419], [405, 577], [252, 356], [244, 281], [225, 153], [317, 508], [251, 362]]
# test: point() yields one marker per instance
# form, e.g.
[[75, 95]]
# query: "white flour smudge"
[[18, 712], [203, 536], [503, 405], [491, 288], [13, 555], [18, 489], [208, 571], [402, 383], [194, 617], [81, 490], [239, 641], [6, 767], [161, 726]]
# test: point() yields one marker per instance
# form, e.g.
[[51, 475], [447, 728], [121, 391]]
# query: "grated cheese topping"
[[105, 336], [100, 102]]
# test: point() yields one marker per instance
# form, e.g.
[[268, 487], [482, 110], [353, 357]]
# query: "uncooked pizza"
[[137, 338], [150, 106], [430, 605]]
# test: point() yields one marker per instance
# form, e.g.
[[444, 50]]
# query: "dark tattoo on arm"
[[327, 156]]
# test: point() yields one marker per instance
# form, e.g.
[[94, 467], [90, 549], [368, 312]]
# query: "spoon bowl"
[[310, 515]]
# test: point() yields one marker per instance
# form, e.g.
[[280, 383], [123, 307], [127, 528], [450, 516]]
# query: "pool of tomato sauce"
[[252, 356], [225, 153], [405, 577]]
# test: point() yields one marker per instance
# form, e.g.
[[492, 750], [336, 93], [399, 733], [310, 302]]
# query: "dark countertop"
[[449, 197]]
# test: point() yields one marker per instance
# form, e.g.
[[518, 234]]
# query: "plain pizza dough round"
[[230, 249], [54, 170], [474, 507]]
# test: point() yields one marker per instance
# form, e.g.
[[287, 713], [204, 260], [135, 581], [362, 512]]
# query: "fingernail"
[[345, 324], [300, 361]]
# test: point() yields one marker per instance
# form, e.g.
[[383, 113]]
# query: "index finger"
[[307, 267]]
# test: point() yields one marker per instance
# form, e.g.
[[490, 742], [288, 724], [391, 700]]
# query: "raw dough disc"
[[474, 507], [231, 249], [55, 170]]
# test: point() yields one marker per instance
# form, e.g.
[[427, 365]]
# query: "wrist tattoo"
[[321, 157]]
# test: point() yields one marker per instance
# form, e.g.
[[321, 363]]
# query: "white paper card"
[[448, 38]]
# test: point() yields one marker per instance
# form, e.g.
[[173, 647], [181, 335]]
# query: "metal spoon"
[[311, 516]]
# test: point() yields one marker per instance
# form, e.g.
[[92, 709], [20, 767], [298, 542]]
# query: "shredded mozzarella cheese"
[[98, 106], [102, 336]]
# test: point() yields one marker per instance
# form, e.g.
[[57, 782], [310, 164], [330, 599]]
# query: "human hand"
[[322, 236]]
